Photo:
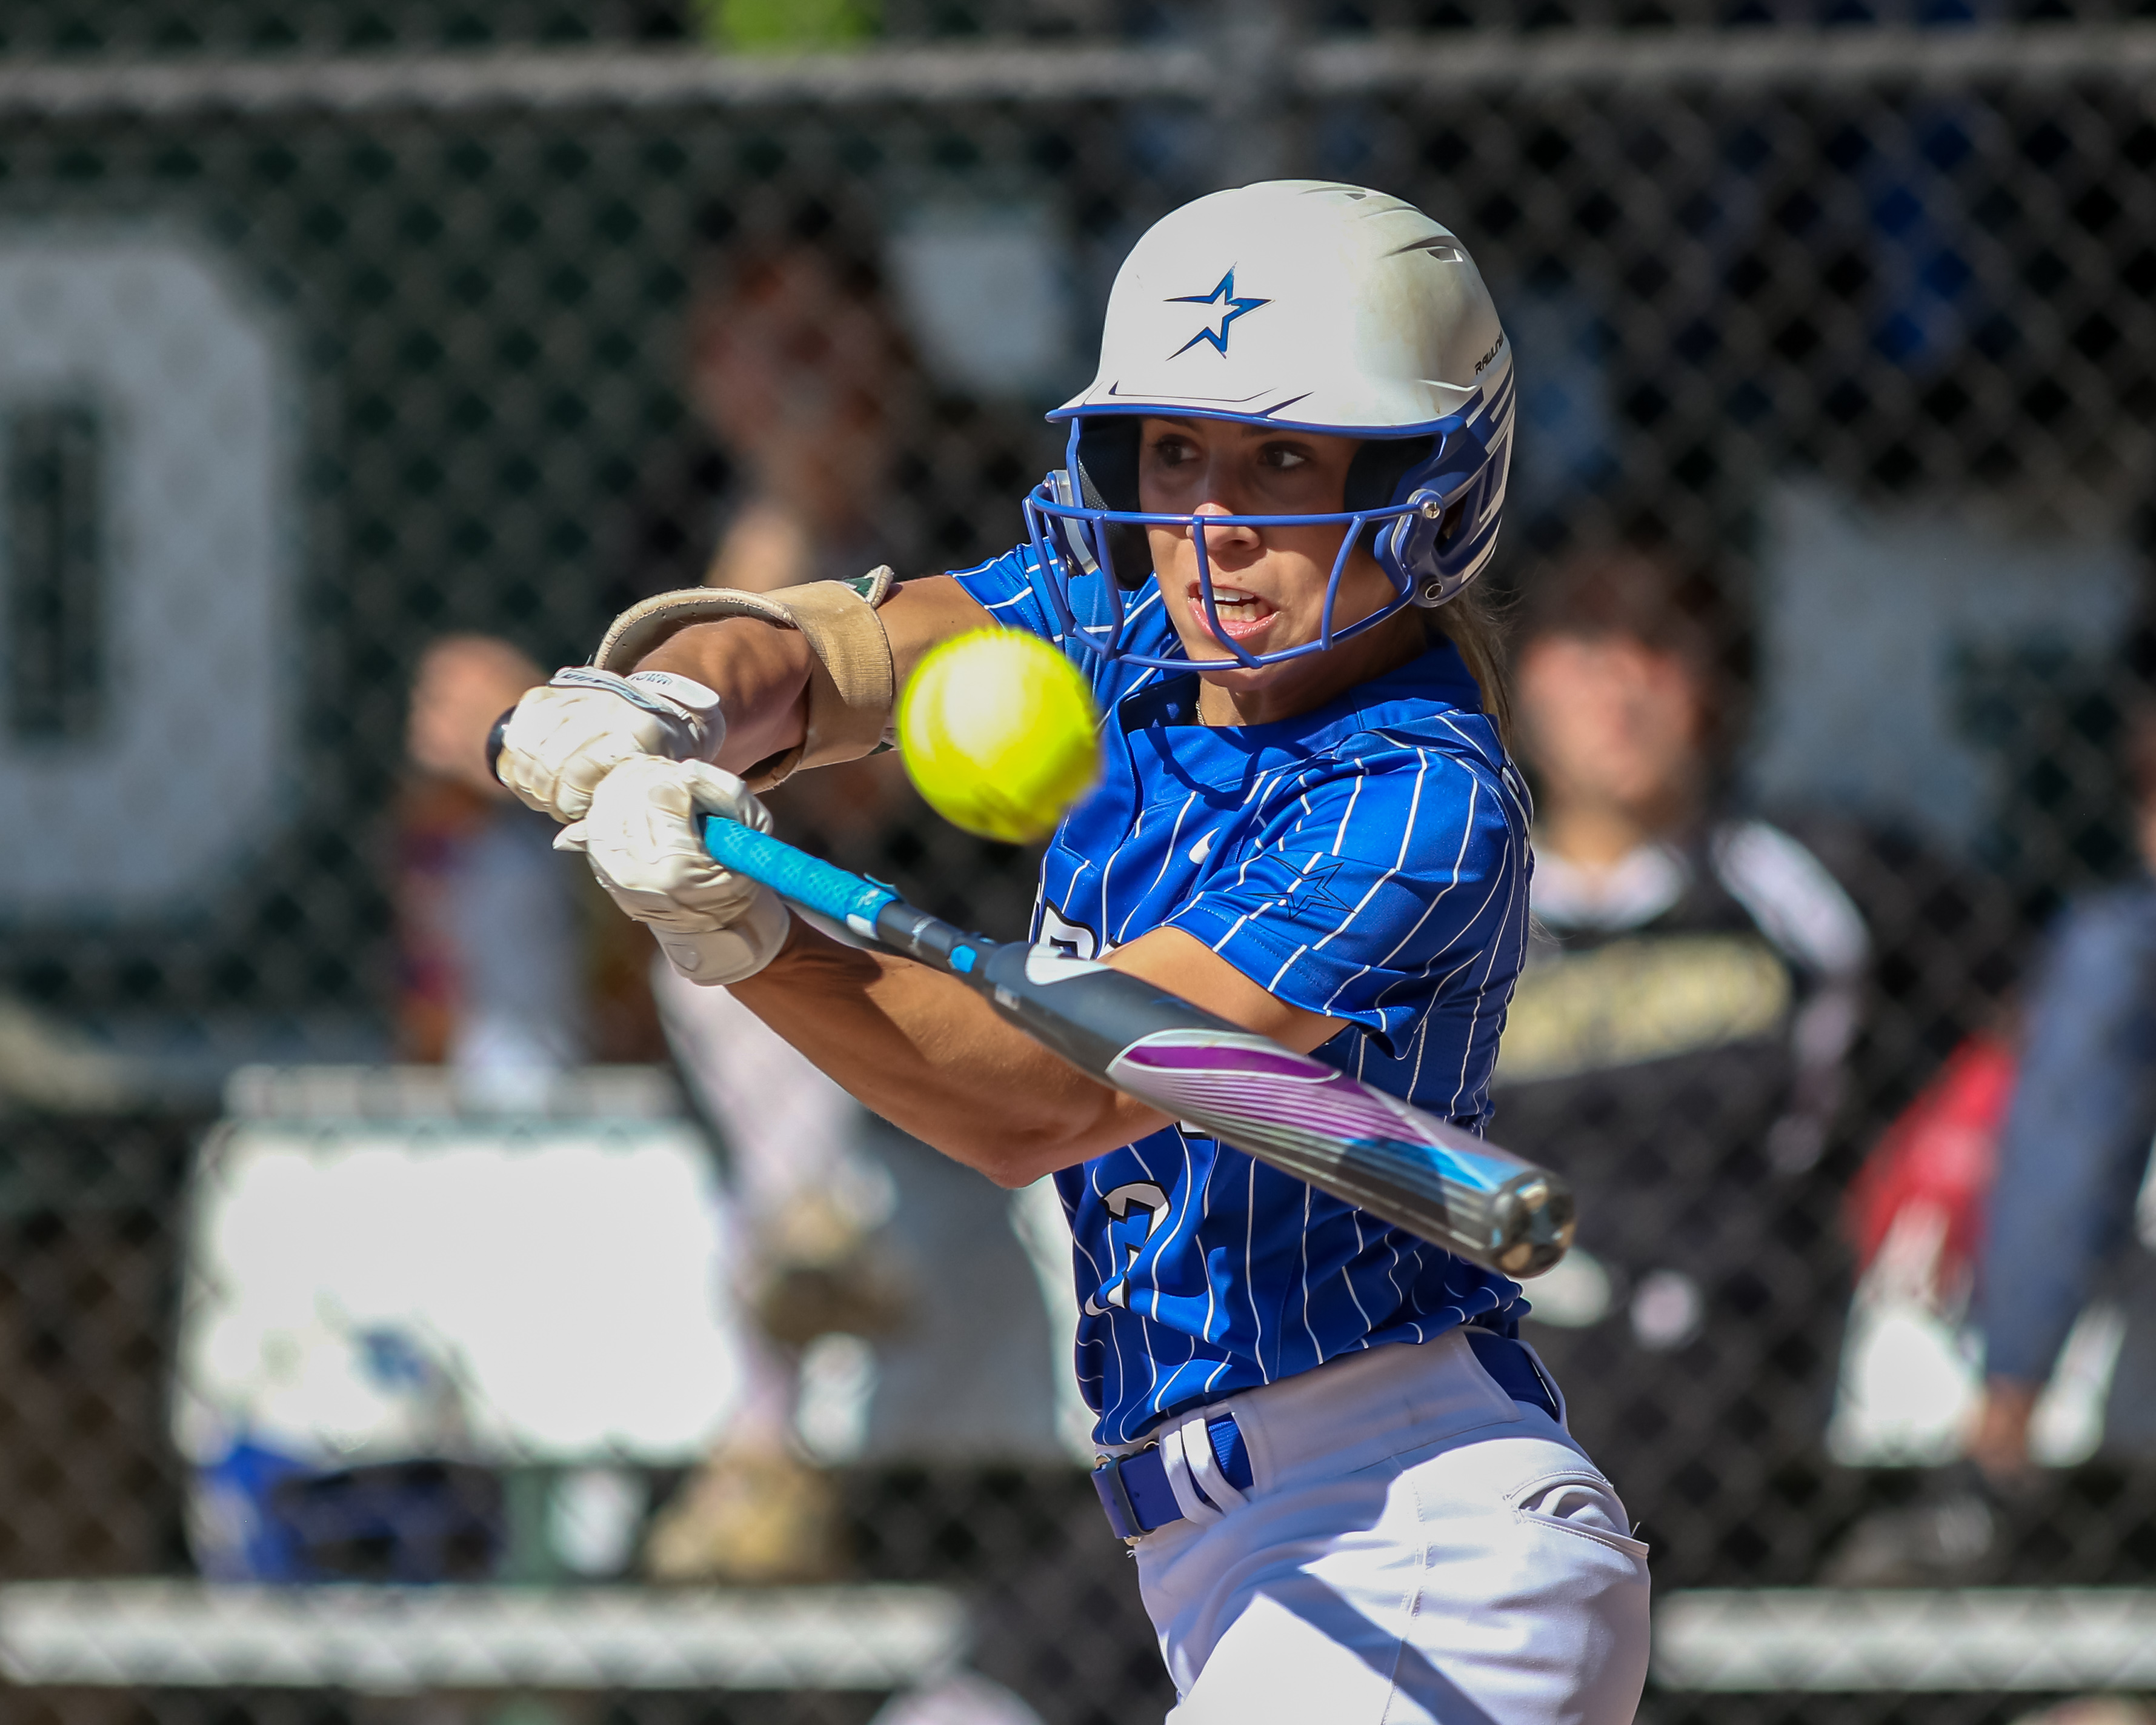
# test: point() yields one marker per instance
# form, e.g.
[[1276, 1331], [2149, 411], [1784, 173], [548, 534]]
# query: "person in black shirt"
[[1676, 1045]]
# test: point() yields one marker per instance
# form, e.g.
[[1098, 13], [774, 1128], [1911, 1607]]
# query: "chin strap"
[[851, 684]]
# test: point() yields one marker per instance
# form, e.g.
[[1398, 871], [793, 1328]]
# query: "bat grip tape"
[[796, 877]]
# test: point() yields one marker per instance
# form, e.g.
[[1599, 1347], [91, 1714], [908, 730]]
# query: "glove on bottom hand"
[[643, 837]]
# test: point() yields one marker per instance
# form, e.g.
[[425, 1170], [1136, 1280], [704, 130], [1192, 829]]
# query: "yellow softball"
[[999, 733]]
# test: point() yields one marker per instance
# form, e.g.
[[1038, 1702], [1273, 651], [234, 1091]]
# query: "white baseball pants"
[[1415, 1546]]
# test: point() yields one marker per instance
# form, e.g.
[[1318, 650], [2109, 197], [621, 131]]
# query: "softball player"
[[1348, 1487]]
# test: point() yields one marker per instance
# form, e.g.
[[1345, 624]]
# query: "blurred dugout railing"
[[379, 331]]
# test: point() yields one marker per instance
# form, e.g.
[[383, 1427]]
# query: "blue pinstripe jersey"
[[1368, 861]]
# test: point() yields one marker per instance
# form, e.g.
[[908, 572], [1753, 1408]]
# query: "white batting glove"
[[644, 836], [559, 742]]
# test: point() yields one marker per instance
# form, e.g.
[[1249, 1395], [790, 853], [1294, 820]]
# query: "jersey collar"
[[1437, 676], [1226, 755]]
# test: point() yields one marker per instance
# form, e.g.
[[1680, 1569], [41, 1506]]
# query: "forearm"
[[929, 1055], [760, 671]]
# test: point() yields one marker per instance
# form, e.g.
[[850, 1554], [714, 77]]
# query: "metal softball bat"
[[1290, 1111]]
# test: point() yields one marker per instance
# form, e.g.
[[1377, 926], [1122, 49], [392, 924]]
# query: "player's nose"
[[1228, 533]]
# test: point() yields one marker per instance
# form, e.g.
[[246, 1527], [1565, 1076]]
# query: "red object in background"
[[1942, 1152]]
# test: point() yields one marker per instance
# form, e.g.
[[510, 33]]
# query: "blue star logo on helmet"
[[1224, 296]]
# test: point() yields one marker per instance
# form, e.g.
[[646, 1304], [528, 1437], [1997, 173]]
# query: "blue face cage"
[[1431, 539]]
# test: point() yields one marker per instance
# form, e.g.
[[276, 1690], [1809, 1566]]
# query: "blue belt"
[[1135, 1492]]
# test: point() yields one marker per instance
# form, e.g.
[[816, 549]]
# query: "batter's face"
[[1268, 582]]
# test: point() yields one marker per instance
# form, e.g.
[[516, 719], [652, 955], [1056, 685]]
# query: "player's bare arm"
[[760, 671], [932, 1057], [765, 683]]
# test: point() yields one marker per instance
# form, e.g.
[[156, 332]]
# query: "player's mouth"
[[1241, 614]]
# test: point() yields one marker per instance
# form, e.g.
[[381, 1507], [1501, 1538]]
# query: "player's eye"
[[1283, 458], [1172, 449]]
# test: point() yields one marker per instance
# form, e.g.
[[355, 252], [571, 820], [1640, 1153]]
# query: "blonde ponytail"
[[1473, 623]]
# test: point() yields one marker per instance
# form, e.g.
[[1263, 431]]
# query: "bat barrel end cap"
[[1533, 1221]]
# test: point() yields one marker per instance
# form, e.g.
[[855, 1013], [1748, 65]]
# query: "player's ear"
[[1108, 477]]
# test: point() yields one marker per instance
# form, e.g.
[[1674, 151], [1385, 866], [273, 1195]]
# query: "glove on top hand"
[[559, 742], [644, 836]]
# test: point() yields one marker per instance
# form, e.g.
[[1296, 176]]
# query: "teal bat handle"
[[796, 876]]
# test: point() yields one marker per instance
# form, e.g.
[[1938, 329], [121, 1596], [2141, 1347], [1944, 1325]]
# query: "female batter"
[[1348, 1487]]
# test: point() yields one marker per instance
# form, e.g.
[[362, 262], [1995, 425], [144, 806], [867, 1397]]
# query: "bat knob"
[[495, 735]]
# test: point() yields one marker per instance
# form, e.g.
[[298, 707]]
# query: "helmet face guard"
[[1432, 536], [1071, 539], [1297, 306]]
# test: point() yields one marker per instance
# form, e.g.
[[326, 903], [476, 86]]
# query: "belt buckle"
[[1115, 1499]]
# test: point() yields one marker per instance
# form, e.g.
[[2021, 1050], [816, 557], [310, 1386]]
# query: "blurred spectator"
[[799, 377], [2069, 1215], [488, 918], [803, 379], [2067, 1227], [794, 366], [1678, 1042], [800, 383]]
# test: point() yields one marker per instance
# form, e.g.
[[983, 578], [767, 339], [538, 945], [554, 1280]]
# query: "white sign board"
[[561, 1284]]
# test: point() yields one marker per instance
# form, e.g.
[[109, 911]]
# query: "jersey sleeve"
[[1391, 880], [1009, 589]]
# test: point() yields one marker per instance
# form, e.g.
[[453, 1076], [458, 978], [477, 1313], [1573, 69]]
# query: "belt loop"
[[1204, 1463], [1175, 1458]]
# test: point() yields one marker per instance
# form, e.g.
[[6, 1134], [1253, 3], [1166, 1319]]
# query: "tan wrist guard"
[[850, 681]]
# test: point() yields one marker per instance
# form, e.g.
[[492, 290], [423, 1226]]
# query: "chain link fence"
[[327, 332]]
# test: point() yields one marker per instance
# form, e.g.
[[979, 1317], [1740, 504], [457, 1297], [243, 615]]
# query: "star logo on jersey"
[[1231, 306], [1314, 888]]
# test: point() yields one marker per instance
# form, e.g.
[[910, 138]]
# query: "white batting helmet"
[[1312, 306]]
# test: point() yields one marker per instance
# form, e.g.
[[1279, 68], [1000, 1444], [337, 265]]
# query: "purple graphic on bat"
[[1216, 1053], [1274, 1094]]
